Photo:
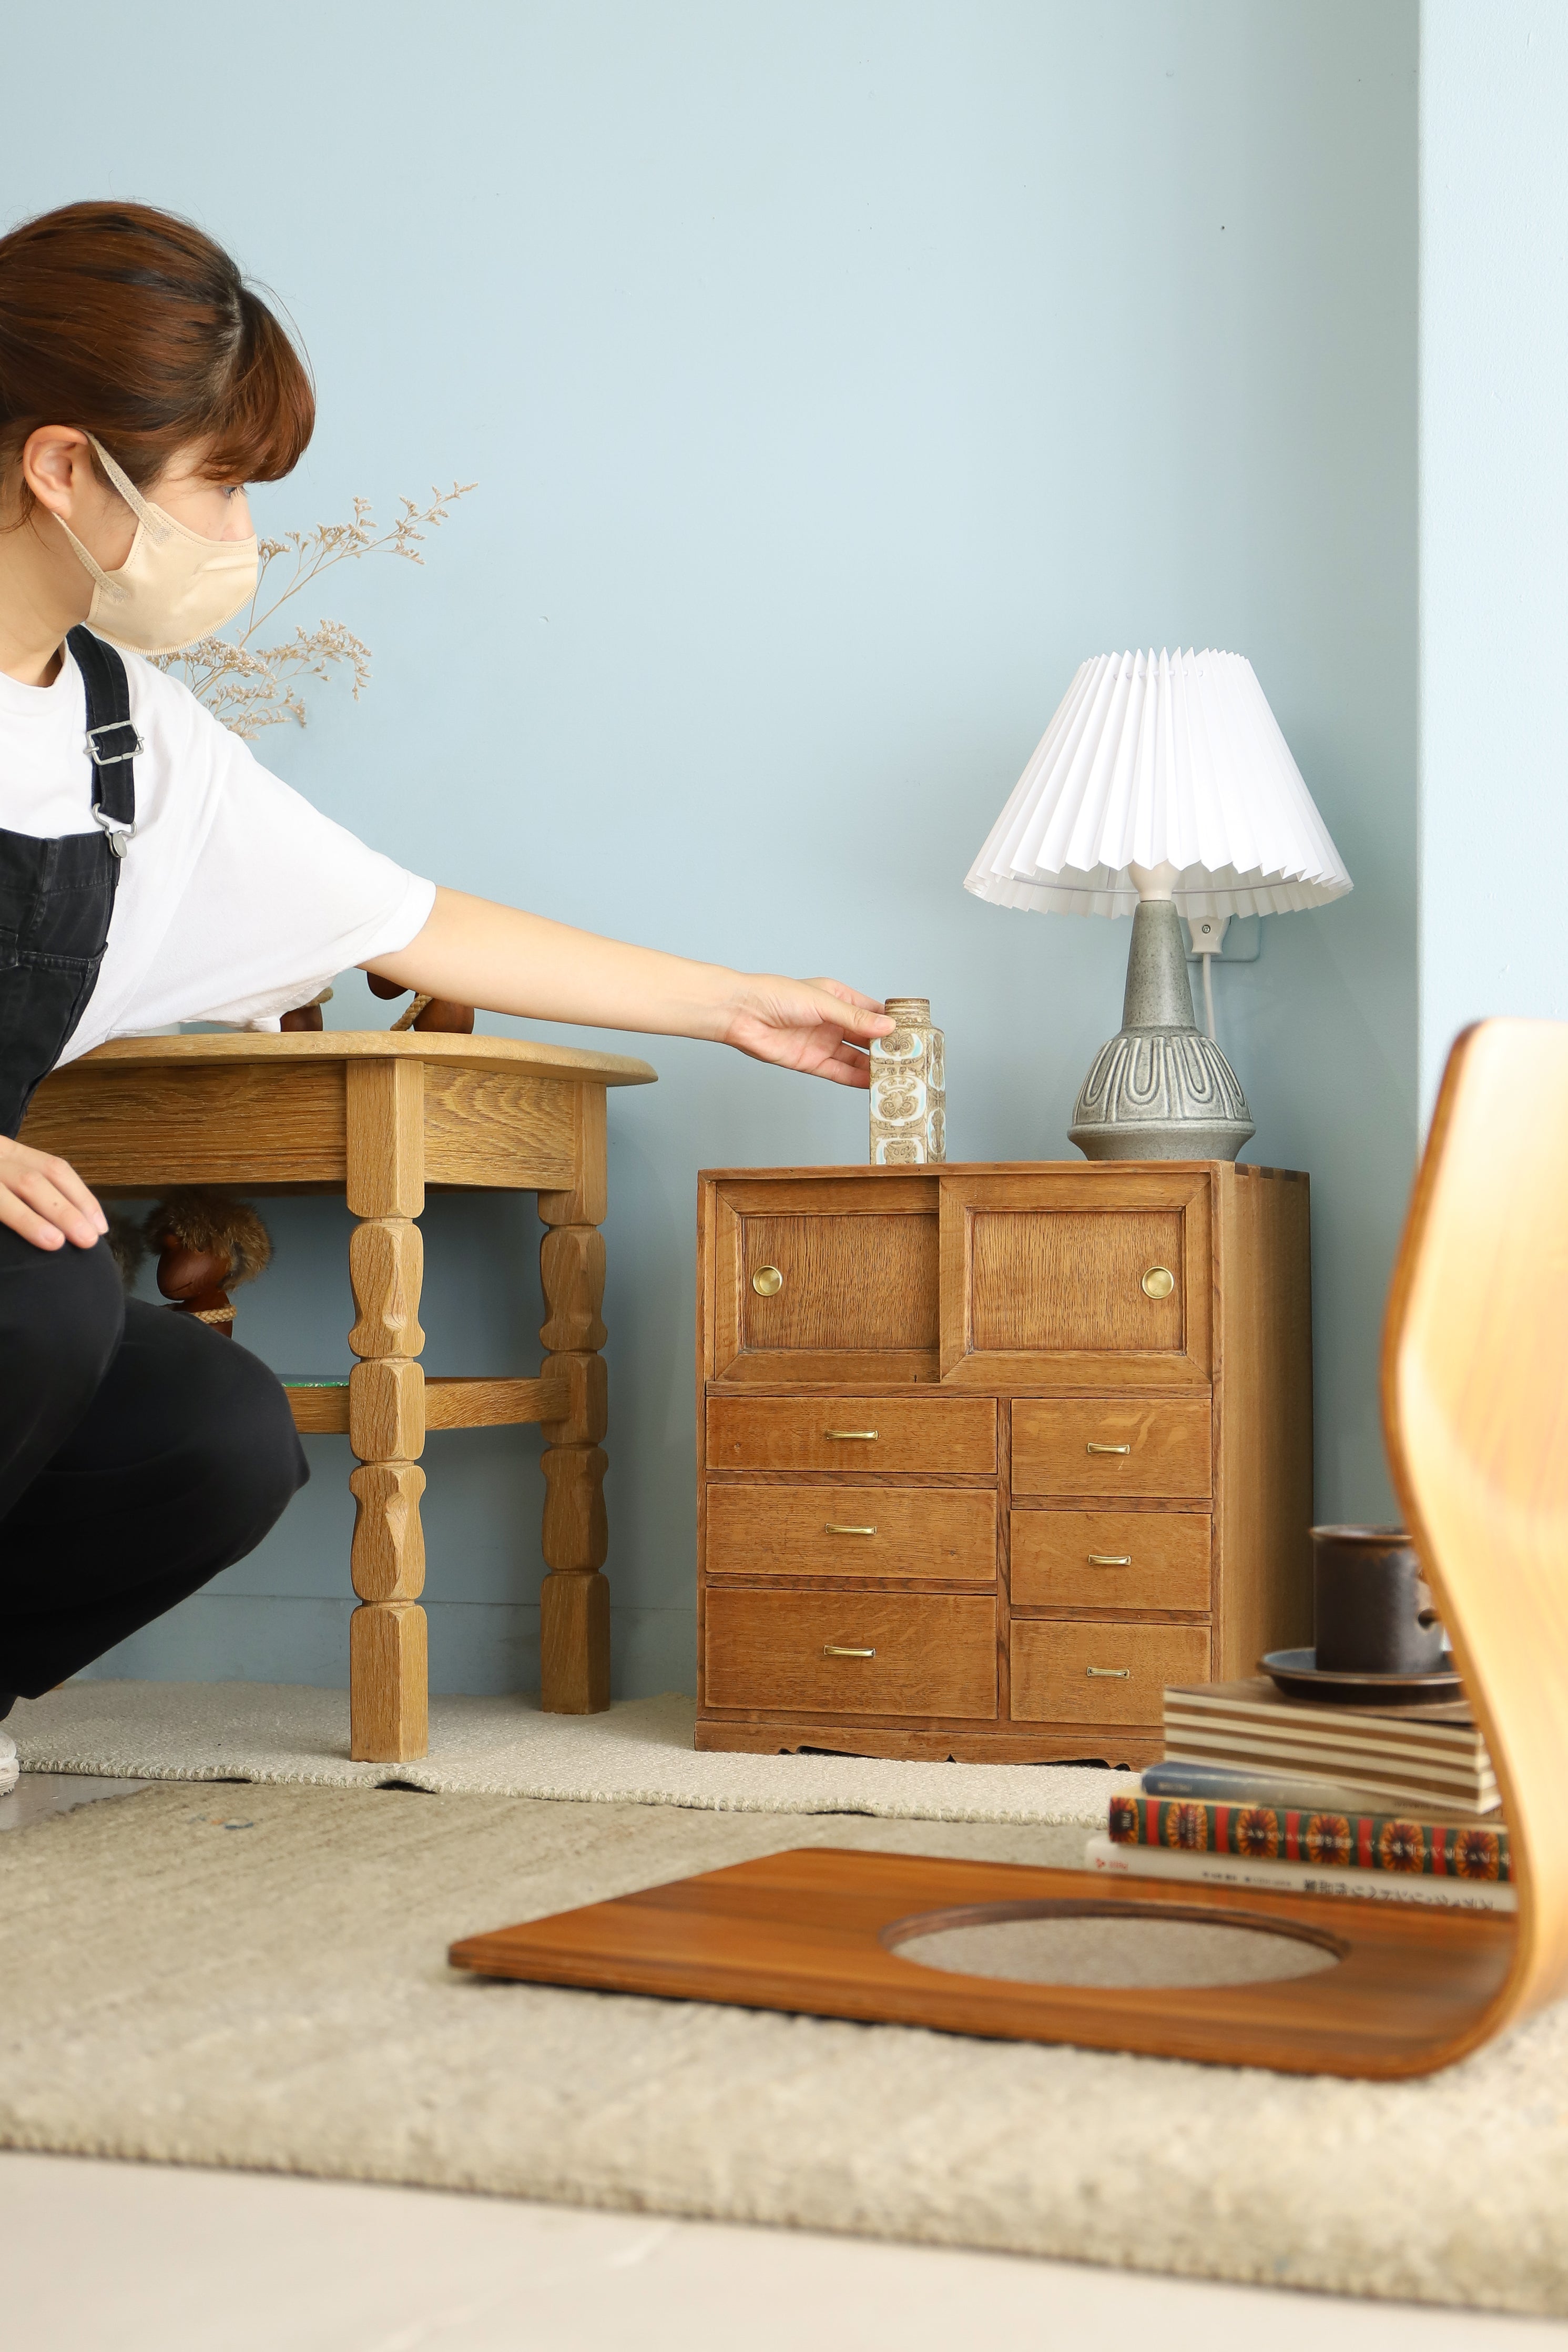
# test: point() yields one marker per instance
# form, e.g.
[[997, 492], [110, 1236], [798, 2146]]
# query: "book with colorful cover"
[[1188, 1868], [1394, 1842]]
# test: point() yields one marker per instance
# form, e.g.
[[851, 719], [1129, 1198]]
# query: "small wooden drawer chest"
[[990, 1454]]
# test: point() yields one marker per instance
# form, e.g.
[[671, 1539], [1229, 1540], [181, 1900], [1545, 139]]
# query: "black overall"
[[140, 1452]]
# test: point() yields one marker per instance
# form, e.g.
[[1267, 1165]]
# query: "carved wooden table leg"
[[574, 1600], [388, 1662]]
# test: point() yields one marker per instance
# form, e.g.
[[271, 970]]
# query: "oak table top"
[[524, 1056]]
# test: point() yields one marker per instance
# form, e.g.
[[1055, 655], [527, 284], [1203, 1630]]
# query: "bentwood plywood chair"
[[1475, 1412]]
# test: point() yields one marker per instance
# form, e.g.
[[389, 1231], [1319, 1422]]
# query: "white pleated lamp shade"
[[1161, 760]]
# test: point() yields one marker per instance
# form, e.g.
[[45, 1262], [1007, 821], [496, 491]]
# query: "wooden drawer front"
[[937, 1433], [1058, 1443], [819, 1531], [848, 1282], [1107, 1673], [1109, 1560], [1107, 1275], [1073, 1278], [935, 1653], [816, 1280]]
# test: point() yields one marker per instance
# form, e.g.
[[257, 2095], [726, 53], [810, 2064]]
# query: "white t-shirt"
[[236, 899]]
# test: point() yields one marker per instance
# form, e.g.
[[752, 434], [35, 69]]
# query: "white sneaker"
[[9, 1767]]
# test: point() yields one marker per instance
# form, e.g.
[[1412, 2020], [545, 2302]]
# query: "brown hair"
[[134, 326]]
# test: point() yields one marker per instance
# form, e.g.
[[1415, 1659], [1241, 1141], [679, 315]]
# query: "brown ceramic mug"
[[1372, 1606]]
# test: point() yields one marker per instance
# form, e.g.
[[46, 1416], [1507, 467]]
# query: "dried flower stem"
[[250, 687]]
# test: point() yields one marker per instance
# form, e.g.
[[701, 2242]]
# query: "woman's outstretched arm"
[[480, 953]]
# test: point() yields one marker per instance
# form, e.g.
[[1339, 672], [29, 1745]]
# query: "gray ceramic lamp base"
[[1160, 1090]]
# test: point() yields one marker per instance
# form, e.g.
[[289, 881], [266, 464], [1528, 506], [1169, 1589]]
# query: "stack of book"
[[1257, 1789]]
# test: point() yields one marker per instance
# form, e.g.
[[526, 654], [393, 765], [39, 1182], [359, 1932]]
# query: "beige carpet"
[[255, 1977], [640, 1753]]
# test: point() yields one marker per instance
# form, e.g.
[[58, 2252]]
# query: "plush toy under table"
[[208, 1244]]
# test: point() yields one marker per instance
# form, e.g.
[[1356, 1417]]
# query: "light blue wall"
[[837, 374], [1494, 515]]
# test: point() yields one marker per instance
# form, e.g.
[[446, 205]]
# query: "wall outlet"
[[1240, 938]]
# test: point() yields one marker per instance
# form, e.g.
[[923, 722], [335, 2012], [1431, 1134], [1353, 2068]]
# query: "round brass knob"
[[1158, 1283], [767, 1280]]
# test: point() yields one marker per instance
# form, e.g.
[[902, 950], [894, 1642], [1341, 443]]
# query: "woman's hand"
[[475, 952], [805, 1024], [44, 1201]]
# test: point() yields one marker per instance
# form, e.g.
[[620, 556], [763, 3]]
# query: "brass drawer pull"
[[1091, 1447], [1109, 1674], [837, 1650], [832, 1528], [1158, 1283], [866, 1432], [767, 1281], [1109, 1560]]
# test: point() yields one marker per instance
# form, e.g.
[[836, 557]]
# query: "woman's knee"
[[252, 1462], [62, 1316]]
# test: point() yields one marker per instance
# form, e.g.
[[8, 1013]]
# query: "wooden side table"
[[381, 1116]]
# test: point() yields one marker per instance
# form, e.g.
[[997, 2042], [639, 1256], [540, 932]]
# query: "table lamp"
[[1162, 788]]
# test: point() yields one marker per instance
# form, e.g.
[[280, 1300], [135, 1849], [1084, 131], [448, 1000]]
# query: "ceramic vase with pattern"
[[908, 1088]]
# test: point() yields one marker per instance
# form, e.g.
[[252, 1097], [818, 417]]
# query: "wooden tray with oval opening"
[[1474, 1387]]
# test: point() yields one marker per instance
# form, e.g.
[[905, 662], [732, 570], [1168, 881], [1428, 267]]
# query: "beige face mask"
[[175, 586]]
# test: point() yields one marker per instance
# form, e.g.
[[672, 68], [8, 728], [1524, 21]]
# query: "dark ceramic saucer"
[[1299, 1676]]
